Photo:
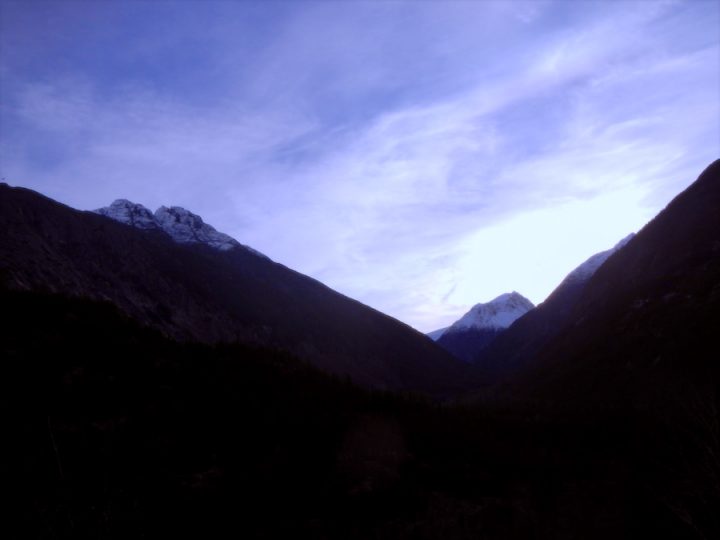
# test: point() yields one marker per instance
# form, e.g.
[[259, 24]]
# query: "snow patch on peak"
[[586, 270], [185, 227], [130, 213], [497, 314], [180, 224]]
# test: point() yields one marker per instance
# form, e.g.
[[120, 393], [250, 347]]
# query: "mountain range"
[[167, 380]]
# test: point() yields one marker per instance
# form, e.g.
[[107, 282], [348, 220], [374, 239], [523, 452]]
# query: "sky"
[[418, 156]]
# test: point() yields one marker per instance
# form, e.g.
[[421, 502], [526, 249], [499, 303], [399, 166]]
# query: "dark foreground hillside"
[[116, 432]]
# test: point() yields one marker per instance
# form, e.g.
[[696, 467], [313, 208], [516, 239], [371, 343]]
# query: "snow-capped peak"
[[497, 314], [586, 270], [180, 224], [130, 213], [185, 227]]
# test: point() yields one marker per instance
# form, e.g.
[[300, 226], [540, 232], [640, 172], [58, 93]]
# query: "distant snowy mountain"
[[180, 224], [531, 333], [473, 337], [497, 314], [481, 325]]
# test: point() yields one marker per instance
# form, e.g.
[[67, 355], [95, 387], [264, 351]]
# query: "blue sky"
[[419, 156]]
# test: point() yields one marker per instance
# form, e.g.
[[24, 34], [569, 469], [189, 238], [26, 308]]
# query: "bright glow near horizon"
[[417, 156]]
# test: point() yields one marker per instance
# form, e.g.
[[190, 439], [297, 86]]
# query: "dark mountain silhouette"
[[114, 431], [649, 317], [642, 342], [194, 292], [656, 297]]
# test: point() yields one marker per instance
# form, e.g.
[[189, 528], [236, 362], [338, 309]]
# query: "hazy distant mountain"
[[436, 334], [482, 324], [171, 271], [529, 333]]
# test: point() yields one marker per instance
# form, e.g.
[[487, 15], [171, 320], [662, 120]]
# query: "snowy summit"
[[181, 225], [130, 213], [185, 227], [497, 314], [586, 270]]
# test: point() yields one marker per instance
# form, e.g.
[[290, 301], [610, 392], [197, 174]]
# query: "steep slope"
[[651, 309], [475, 330], [523, 339], [644, 347], [199, 292]]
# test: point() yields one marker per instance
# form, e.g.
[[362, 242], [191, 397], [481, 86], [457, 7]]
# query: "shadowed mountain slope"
[[121, 433], [612, 430], [643, 343], [193, 292], [651, 314]]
